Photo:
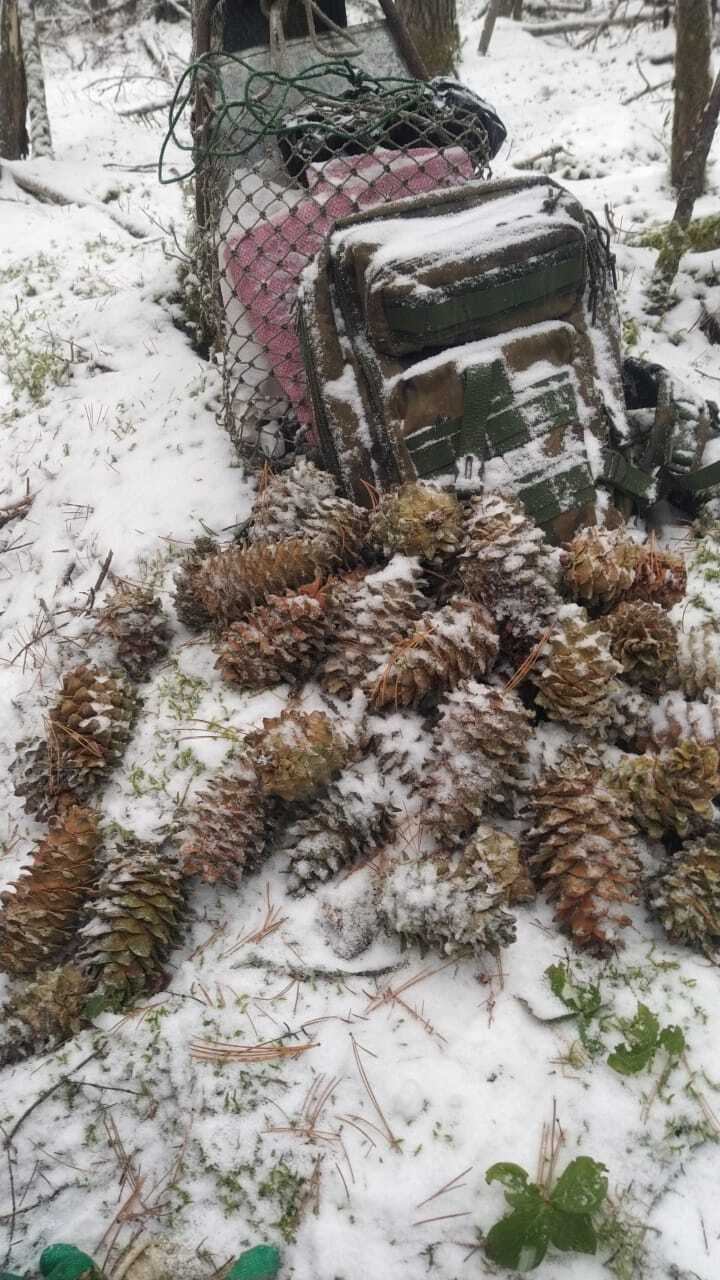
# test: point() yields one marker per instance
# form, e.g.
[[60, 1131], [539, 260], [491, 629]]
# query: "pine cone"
[[44, 1014], [135, 620], [445, 905], [699, 660], [226, 829], [138, 911], [667, 722], [402, 746], [686, 896], [581, 849], [42, 908], [660, 578], [348, 819], [188, 606], [370, 617], [229, 584], [495, 857], [644, 641], [297, 753], [279, 641], [444, 648], [630, 711], [512, 570], [88, 730], [290, 501], [479, 761], [600, 567], [418, 520], [672, 791], [574, 675]]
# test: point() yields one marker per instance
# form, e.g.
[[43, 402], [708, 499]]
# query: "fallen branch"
[[650, 88], [42, 191], [549, 153], [16, 510], [568, 25], [146, 108]]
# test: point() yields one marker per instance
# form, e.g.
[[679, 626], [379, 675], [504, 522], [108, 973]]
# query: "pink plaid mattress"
[[265, 263]]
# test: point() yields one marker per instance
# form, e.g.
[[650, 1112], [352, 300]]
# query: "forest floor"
[[108, 419]]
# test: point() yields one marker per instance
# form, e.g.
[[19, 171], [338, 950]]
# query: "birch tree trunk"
[[433, 27], [13, 89], [693, 78], [40, 136]]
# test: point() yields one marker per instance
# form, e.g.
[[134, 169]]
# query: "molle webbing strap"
[[496, 293], [696, 481], [625, 476], [569, 491]]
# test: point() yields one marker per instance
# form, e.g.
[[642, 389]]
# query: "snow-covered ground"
[[108, 419]]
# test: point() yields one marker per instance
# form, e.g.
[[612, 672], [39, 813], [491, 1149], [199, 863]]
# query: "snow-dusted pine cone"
[[686, 896], [581, 849], [226, 828], [495, 856], [369, 617], [288, 502], [699, 660], [667, 722], [644, 641], [600, 567], [42, 1014], [660, 577], [479, 760], [280, 640], [41, 910], [347, 820], [294, 755], [444, 648], [445, 905], [134, 618], [671, 792], [574, 676], [418, 520], [188, 606]]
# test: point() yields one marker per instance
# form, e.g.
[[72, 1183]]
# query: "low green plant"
[[644, 1038], [583, 1000], [561, 1215]]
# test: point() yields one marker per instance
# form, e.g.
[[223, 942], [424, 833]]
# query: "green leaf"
[[520, 1240], [630, 1062], [94, 1006], [572, 1232], [584, 998], [672, 1040], [582, 1187], [515, 1181], [643, 1029]]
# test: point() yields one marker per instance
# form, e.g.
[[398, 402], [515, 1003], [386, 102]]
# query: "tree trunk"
[[494, 12], [432, 25], [13, 89], [693, 78], [668, 261], [40, 136]]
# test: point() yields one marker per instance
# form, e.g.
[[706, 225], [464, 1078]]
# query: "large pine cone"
[[495, 857], [644, 641], [45, 1013], [508, 566], [699, 660], [672, 792], [135, 620], [418, 520], [370, 615], [88, 731], [574, 676], [297, 753], [446, 905], [279, 641], [600, 567], [581, 849], [670, 720], [660, 577], [347, 820], [188, 605], [686, 896], [226, 829], [479, 760], [290, 502], [232, 582], [444, 648], [138, 911], [41, 910]]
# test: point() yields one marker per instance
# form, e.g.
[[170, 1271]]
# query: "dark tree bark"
[[13, 89], [433, 28], [693, 78], [40, 133]]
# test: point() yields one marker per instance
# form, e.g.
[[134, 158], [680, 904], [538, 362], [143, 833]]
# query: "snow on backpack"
[[469, 336]]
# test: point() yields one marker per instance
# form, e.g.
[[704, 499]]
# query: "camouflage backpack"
[[469, 336]]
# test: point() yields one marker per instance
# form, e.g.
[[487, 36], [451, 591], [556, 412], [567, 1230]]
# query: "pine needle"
[[269, 1051]]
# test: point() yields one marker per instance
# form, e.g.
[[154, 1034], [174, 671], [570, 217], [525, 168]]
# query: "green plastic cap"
[[260, 1263], [65, 1262]]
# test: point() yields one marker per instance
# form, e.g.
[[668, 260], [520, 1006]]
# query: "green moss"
[[288, 1190], [702, 236]]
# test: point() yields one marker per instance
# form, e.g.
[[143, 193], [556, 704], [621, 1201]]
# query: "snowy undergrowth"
[[107, 418]]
